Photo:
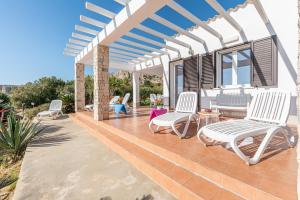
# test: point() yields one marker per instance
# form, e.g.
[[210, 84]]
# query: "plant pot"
[[159, 107]]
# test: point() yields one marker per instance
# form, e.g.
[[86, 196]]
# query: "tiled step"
[[182, 183], [226, 181]]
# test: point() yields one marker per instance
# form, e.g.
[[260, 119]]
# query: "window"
[[236, 66], [243, 66]]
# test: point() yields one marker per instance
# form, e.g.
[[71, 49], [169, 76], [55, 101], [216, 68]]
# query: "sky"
[[34, 33]]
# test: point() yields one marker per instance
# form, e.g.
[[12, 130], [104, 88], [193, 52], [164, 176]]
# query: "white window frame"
[[234, 51]]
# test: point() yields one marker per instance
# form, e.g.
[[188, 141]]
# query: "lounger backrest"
[[187, 102], [126, 98], [271, 106], [152, 97], [55, 105], [114, 100]]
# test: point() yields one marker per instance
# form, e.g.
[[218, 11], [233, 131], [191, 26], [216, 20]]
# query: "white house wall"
[[283, 22]]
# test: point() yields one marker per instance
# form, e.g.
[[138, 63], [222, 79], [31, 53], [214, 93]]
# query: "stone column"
[[79, 87], [136, 89], [101, 82]]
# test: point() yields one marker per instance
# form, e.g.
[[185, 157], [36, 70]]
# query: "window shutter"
[[264, 55], [190, 72], [207, 71]]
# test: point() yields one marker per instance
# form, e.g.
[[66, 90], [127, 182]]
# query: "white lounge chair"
[[55, 109], [113, 101], [267, 115], [185, 111]]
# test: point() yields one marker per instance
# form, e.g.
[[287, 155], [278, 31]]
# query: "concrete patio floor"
[[65, 162]]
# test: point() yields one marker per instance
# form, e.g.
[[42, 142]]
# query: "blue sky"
[[34, 33]]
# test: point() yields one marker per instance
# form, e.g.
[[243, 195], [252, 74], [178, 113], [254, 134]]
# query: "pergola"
[[127, 43]]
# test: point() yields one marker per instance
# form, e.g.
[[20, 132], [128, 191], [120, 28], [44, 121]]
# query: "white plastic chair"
[[90, 107], [152, 100], [267, 115], [113, 101], [55, 109], [185, 111]]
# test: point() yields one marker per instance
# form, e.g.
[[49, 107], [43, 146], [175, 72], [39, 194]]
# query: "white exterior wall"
[[283, 22]]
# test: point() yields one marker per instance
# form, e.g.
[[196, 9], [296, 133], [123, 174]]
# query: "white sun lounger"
[[185, 111], [267, 115], [55, 109]]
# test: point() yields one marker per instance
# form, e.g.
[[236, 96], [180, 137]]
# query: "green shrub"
[[15, 137], [32, 112]]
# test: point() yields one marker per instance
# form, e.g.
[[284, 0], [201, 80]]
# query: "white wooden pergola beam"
[[135, 36], [222, 12], [141, 46], [121, 56], [178, 8], [92, 21], [85, 30], [71, 50], [176, 28], [261, 11], [82, 37], [72, 46], [132, 49], [69, 54], [123, 52], [79, 42], [122, 2], [99, 10], [163, 36]]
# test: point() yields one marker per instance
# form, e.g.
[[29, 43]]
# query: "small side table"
[[119, 108], [209, 116], [156, 112]]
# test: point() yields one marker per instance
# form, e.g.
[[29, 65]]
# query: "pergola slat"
[[141, 46], [99, 10], [85, 30], [122, 2], [162, 36], [82, 37], [79, 42], [72, 50], [92, 21], [123, 52], [136, 36], [176, 28], [72, 46], [222, 12], [118, 46], [178, 8]]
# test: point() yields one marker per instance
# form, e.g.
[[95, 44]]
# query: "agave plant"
[[16, 135]]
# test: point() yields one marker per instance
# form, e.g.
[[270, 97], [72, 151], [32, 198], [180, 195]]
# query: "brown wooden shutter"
[[207, 71], [264, 56], [190, 73]]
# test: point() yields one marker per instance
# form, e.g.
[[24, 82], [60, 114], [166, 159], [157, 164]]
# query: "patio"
[[274, 177]]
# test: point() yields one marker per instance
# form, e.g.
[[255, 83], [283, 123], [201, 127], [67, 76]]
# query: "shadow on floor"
[[46, 137]]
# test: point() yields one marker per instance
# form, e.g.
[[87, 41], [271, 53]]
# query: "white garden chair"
[[113, 101], [55, 109], [90, 107], [185, 111], [267, 115], [152, 100]]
